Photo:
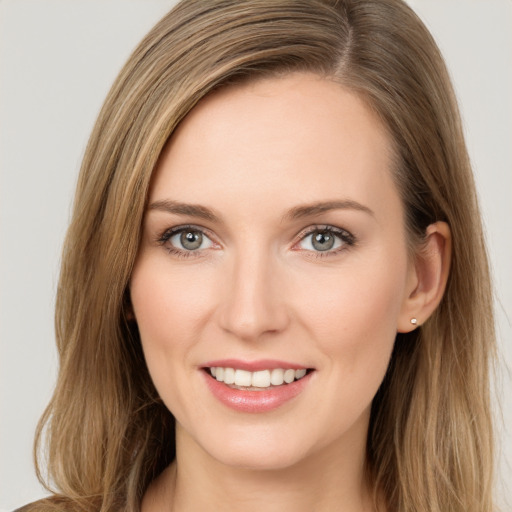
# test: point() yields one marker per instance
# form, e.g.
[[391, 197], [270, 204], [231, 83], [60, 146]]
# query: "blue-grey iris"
[[191, 240], [322, 240]]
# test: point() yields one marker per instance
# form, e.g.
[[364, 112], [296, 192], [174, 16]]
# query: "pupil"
[[191, 240], [323, 241]]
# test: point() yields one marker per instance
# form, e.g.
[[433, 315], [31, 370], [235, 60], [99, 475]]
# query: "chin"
[[263, 448], [258, 459]]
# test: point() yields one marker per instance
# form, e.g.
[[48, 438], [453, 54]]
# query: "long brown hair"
[[107, 433]]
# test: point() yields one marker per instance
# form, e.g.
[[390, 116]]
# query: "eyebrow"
[[192, 210], [298, 212], [310, 210]]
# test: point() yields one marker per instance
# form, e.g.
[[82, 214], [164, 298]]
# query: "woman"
[[264, 298]]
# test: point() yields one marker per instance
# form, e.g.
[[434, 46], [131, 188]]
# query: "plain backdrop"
[[58, 59]]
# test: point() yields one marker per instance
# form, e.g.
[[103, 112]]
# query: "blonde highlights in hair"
[[107, 433]]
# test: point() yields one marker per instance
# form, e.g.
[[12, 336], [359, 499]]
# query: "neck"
[[333, 478]]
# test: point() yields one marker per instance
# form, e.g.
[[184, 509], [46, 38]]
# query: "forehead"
[[287, 139]]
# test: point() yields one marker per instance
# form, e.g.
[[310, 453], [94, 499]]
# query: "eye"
[[185, 240], [190, 240], [326, 239]]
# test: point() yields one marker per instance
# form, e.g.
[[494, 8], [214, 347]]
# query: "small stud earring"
[[414, 321]]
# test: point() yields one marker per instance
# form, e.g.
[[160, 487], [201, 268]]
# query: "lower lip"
[[256, 401]]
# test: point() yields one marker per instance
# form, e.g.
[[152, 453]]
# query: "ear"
[[427, 278]]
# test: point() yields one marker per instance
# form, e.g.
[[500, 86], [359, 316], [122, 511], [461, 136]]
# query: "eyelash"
[[348, 240], [169, 233]]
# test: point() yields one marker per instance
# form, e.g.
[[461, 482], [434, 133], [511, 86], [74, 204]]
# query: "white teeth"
[[298, 374], [277, 377], [289, 376], [229, 375], [259, 379], [243, 378]]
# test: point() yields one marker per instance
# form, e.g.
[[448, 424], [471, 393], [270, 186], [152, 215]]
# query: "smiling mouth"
[[256, 381]]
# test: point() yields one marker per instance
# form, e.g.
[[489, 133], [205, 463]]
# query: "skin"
[[258, 289]]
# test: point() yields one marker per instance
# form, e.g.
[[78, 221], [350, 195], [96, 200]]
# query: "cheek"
[[352, 311], [353, 325], [166, 303], [170, 308]]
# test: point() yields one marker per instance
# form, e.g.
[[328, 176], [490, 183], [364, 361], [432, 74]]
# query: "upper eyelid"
[[304, 231], [346, 237], [169, 232], [323, 227]]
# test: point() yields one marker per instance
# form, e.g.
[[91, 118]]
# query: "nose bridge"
[[252, 303]]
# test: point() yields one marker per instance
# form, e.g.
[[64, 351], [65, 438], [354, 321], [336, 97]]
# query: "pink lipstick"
[[256, 386]]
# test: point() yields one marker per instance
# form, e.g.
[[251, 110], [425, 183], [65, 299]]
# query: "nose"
[[253, 300]]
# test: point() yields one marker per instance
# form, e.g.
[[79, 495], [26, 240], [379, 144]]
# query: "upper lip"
[[254, 366]]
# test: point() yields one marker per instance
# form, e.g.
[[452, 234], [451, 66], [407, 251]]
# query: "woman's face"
[[273, 241]]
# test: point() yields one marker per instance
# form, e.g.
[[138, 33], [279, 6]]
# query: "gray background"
[[57, 61]]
